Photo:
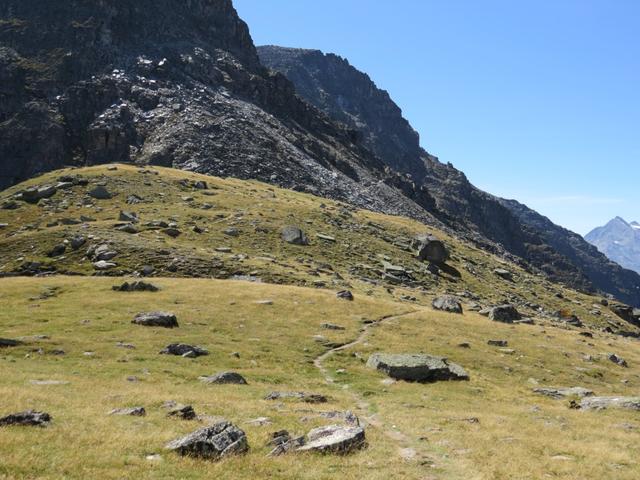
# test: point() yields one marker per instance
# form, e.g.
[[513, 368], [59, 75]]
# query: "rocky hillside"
[[619, 241], [395, 350], [347, 95], [175, 84], [180, 84]]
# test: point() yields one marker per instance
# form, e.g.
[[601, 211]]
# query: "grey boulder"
[[447, 303], [339, 439], [603, 403], [294, 236], [429, 248], [416, 367], [182, 349], [504, 314], [225, 378], [156, 319], [563, 392], [212, 443]]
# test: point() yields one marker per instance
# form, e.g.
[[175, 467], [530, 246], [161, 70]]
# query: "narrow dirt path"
[[404, 450]]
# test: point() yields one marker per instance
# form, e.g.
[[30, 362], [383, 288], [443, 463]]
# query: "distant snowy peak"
[[620, 241]]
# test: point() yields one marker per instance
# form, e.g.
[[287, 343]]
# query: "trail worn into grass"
[[404, 450]]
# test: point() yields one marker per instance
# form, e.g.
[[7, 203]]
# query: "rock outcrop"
[[416, 367]]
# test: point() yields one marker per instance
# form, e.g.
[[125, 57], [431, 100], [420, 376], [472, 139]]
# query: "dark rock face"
[[212, 443], [417, 367], [174, 84], [28, 418]]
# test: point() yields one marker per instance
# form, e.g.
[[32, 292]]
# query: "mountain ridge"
[[619, 240]]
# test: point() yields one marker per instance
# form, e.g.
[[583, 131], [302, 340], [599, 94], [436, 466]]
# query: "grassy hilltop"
[[258, 307]]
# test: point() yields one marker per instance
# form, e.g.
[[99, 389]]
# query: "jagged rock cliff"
[[349, 96], [173, 83]]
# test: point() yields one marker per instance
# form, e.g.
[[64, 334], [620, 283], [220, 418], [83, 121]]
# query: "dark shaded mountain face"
[[619, 241], [174, 83], [503, 226]]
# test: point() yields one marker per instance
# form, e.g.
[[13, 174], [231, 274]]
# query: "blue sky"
[[533, 100]]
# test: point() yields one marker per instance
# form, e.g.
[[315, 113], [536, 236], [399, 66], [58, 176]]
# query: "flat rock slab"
[[212, 443], [156, 319], [416, 367], [564, 392], [28, 418], [132, 411], [184, 350], [225, 378], [338, 439], [603, 403], [303, 396]]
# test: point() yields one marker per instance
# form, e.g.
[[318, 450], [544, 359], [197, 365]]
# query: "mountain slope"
[[619, 241], [271, 314], [333, 85], [175, 84]]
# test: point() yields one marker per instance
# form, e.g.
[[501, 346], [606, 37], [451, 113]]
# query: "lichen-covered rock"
[[416, 367], [156, 319], [212, 443]]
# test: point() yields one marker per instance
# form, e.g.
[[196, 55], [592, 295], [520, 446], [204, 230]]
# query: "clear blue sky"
[[537, 100]]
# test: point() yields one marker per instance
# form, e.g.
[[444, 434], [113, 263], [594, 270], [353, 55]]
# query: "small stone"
[[184, 412], [294, 235], [156, 319], [100, 193], [181, 349], [447, 303], [224, 378], [28, 418], [133, 411], [497, 343], [345, 295]]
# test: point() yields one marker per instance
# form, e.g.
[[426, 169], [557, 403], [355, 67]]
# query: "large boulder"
[[340, 439], [212, 443], [504, 313], [429, 248], [416, 367], [156, 319], [447, 303], [28, 418], [294, 236], [603, 403]]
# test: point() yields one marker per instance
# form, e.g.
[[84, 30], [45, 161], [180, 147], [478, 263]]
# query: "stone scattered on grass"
[[345, 295], [504, 314], [447, 303], [224, 378], [29, 418], [603, 403], [417, 367], [618, 360], [132, 411], [7, 342], [156, 319], [338, 439], [182, 349], [564, 392], [294, 235], [497, 343], [184, 412], [137, 286], [302, 396], [215, 442]]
